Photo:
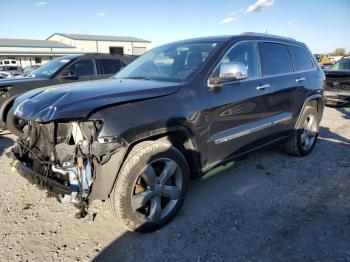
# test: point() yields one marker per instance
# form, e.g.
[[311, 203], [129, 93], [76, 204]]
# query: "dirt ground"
[[268, 207]]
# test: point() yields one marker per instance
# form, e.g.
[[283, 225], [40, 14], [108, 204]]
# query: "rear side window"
[[111, 66], [301, 58], [275, 59]]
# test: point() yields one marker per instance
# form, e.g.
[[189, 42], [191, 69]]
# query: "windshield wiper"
[[138, 77]]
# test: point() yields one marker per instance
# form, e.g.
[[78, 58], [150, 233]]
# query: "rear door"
[[278, 75], [239, 108], [109, 67], [307, 77]]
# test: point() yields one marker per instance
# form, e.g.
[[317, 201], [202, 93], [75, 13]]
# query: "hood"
[[77, 100]]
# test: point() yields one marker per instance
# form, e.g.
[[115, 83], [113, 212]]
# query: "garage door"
[[138, 50]]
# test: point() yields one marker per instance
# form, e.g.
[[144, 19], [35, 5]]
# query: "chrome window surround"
[[259, 63]]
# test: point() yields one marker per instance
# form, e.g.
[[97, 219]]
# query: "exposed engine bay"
[[66, 154]]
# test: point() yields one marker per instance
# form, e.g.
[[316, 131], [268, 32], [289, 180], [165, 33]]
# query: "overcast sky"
[[322, 24]]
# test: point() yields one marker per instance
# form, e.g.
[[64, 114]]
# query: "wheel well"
[[6, 110], [185, 144], [318, 104]]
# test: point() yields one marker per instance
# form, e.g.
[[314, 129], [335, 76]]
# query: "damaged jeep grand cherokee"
[[174, 113]]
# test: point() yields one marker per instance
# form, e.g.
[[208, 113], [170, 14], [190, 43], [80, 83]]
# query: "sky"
[[323, 25]]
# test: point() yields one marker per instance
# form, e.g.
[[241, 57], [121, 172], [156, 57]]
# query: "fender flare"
[[308, 99], [109, 172]]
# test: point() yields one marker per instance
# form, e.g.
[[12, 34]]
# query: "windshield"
[[173, 62], [342, 64], [50, 68]]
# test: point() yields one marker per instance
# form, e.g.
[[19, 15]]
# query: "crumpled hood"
[[77, 100]]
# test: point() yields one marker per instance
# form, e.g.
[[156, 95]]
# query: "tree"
[[339, 52]]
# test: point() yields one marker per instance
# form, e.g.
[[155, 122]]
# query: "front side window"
[[245, 53], [342, 64], [275, 59], [173, 62], [301, 58], [82, 68]]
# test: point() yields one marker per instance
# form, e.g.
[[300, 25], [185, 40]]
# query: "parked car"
[[337, 89], [8, 62], [11, 70], [174, 113], [59, 71]]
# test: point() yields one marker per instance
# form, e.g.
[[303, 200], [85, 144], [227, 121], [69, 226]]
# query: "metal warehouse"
[[30, 52]]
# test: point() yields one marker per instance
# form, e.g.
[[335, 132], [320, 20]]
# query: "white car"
[[8, 62]]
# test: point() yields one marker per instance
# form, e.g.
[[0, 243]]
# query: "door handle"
[[262, 87], [300, 79]]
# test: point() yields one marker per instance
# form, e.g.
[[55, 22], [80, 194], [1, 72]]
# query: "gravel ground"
[[268, 207]]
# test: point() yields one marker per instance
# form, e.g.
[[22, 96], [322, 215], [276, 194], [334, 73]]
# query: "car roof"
[[243, 36]]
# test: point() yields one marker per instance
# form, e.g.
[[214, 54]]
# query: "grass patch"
[[218, 170]]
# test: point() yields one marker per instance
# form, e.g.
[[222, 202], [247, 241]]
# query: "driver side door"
[[239, 109]]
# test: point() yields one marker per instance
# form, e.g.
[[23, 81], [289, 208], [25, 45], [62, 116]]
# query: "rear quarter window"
[[301, 58], [275, 59]]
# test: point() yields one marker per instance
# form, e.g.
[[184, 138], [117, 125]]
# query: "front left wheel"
[[151, 186]]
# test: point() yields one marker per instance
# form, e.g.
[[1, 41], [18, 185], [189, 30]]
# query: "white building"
[[29, 52]]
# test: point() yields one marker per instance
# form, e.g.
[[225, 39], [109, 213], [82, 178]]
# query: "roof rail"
[[267, 35]]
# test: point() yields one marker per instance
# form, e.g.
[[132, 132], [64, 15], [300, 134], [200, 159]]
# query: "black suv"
[[58, 71], [174, 113]]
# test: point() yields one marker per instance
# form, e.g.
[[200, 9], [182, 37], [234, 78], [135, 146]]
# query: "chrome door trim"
[[234, 133]]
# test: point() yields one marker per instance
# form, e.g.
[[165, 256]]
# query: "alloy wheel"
[[309, 132], [157, 189]]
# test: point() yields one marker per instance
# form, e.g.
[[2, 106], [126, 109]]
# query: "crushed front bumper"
[[35, 178]]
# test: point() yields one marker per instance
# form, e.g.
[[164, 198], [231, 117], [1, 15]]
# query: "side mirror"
[[229, 72], [69, 75], [233, 71]]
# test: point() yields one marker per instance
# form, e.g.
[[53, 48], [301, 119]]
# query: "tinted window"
[[245, 53], [111, 66], [301, 58], [275, 59], [82, 68]]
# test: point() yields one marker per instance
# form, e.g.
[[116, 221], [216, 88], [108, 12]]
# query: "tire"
[[305, 136], [143, 200], [13, 124]]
